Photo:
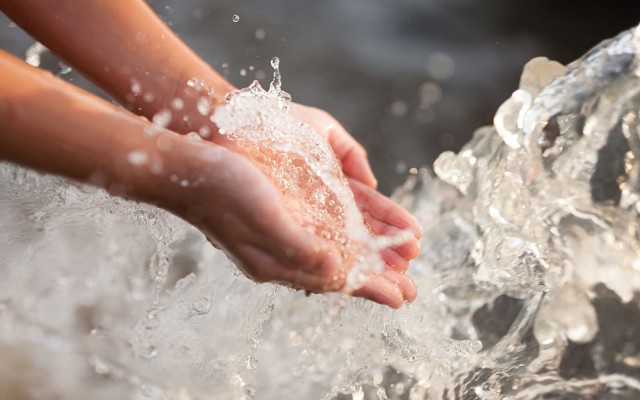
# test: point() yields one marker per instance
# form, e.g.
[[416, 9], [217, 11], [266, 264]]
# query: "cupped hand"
[[381, 214], [349, 152], [385, 217], [240, 211], [233, 202]]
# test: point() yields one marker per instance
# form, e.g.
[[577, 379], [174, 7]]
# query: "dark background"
[[409, 78]]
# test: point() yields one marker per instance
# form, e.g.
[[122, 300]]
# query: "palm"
[[267, 244]]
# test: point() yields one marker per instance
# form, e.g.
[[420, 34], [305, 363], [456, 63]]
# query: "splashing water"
[[303, 167], [530, 248], [33, 56]]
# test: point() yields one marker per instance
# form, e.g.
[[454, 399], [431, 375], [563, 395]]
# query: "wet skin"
[[55, 127]]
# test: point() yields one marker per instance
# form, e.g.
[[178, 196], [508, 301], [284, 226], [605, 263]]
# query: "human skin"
[[121, 44]]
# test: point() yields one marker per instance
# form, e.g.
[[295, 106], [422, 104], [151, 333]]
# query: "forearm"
[[54, 127], [126, 50]]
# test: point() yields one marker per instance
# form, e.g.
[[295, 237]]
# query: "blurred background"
[[409, 78]]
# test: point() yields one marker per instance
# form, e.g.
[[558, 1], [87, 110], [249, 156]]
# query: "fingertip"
[[356, 165], [395, 260], [369, 178], [364, 174], [410, 291], [416, 227], [382, 291], [404, 283], [407, 250]]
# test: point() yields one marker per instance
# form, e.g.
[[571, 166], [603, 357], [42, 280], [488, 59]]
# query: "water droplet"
[[201, 305], [177, 104], [430, 93], [164, 143], [235, 18], [243, 72], [162, 118], [275, 63], [440, 66], [137, 158], [136, 88], [205, 132], [151, 352], [260, 34], [192, 82], [203, 106], [64, 68], [33, 53], [156, 168], [398, 108]]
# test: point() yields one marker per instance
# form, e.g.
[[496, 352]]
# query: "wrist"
[[188, 97], [170, 171]]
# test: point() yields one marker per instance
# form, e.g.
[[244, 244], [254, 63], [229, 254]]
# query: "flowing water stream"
[[527, 279]]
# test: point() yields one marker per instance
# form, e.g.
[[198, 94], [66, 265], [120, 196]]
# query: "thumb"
[[298, 249]]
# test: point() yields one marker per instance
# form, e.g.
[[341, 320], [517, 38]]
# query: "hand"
[[239, 210], [349, 152], [385, 217], [380, 213]]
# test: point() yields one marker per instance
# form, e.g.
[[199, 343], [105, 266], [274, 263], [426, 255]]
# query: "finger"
[[404, 283], [260, 265], [383, 208], [381, 290], [407, 250], [395, 260], [352, 155], [296, 248]]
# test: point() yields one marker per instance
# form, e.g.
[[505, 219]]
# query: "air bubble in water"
[[201, 305]]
